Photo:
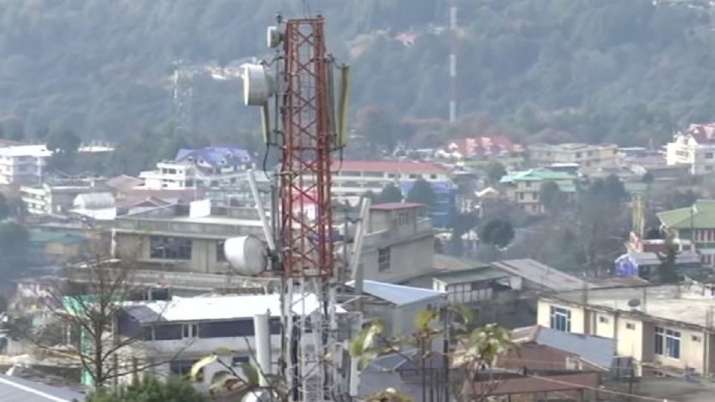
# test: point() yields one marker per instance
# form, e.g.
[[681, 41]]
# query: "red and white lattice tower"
[[306, 247]]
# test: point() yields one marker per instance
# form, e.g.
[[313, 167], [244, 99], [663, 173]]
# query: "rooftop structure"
[[542, 276], [482, 147], [398, 295], [56, 197]]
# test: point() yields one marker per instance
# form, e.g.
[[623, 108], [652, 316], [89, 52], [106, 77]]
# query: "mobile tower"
[[307, 126]]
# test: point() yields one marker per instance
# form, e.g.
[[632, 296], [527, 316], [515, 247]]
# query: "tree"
[[64, 142], [473, 350], [151, 390], [667, 272], [390, 193], [421, 193], [14, 249], [552, 198], [4, 207], [87, 304], [497, 232], [495, 171]]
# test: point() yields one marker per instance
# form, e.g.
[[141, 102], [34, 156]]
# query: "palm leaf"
[[196, 368]]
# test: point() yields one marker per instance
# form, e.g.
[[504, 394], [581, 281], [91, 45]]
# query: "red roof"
[[389, 206], [389, 166]]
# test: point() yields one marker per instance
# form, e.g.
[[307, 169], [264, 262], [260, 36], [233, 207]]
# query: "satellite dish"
[[257, 84], [634, 303], [247, 255]]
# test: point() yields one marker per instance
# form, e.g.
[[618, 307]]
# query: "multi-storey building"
[[695, 148], [182, 238], [23, 164], [352, 179], [587, 156], [56, 197], [398, 244], [664, 329], [695, 224], [205, 168], [524, 188]]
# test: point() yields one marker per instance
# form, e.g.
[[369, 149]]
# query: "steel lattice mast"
[[306, 247]]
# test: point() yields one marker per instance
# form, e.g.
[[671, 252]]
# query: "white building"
[[175, 334], [56, 198], [354, 178], [206, 167], [695, 148], [23, 164], [587, 156]]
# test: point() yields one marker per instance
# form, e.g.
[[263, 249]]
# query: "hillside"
[[591, 70]]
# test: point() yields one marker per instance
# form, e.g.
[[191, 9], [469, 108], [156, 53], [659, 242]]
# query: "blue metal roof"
[[215, 156]]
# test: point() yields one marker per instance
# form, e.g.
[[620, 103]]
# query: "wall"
[[605, 329], [629, 341], [203, 253], [408, 259], [544, 315], [691, 352]]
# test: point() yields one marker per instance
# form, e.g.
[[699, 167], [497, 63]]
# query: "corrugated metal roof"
[[13, 389], [699, 216], [397, 294], [593, 349], [388, 206], [543, 275]]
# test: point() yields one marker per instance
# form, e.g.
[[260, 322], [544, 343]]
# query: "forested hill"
[[592, 70]]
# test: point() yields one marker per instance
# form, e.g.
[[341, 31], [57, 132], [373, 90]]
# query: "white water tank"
[[247, 255]]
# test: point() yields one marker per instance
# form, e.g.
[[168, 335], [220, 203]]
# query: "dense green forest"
[[543, 70]]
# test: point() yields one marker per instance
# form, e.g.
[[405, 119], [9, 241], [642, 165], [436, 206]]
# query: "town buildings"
[[352, 179], [481, 147], [523, 188], [694, 148], [56, 197], [587, 156], [666, 329], [194, 168], [23, 164], [695, 223]]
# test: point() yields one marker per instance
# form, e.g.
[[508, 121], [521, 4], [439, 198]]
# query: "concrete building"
[[175, 334], [352, 179], [588, 156], [199, 168], [695, 224], [694, 148], [56, 197], [398, 244], [182, 238], [666, 329], [523, 188], [23, 164], [396, 305]]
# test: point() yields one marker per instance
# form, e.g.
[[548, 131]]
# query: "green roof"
[[699, 216]]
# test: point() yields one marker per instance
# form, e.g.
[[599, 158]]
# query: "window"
[[383, 259], [220, 254], [225, 329], [527, 184], [709, 168], [709, 155], [667, 342], [165, 332], [170, 248], [403, 218], [695, 338], [630, 325], [578, 155], [521, 196], [433, 176], [238, 360], [413, 176], [602, 319], [561, 319], [189, 331]]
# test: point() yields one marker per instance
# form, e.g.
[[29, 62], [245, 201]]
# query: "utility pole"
[[453, 47]]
